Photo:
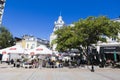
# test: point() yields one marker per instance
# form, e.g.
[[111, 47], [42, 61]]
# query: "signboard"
[[4, 52], [39, 49], [12, 49], [32, 53], [110, 49]]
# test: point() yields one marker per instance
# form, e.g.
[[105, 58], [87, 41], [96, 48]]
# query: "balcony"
[[1, 6], [2, 1]]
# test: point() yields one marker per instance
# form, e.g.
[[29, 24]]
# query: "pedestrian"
[[12, 61], [70, 64], [40, 63], [78, 62]]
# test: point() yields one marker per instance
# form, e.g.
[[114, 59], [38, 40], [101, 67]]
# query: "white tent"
[[40, 50], [4, 51], [13, 49], [16, 49], [13, 52]]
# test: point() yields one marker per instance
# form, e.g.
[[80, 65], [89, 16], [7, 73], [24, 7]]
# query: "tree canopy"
[[6, 38], [86, 32]]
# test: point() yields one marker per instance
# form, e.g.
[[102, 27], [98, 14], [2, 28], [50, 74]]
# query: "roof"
[[18, 39]]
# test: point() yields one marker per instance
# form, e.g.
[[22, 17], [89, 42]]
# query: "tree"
[[6, 38], [67, 39], [92, 29], [63, 39], [86, 32]]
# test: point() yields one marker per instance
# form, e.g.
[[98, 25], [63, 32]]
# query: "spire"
[[60, 21]]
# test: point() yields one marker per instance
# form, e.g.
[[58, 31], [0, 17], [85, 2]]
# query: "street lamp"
[[92, 67]]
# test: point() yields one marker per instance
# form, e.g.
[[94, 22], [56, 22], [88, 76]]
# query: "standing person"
[[40, 63], [12, 61], [70, 64], [78, 62]]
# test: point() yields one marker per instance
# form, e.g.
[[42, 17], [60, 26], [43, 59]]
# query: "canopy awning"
[[40, 50], [13, 49]]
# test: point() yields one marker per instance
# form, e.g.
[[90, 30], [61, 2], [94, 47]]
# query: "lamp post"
[[92, 67]]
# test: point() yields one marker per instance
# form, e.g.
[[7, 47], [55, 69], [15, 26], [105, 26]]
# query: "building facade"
[[110, 49], [30, 42], [57, 25], [2, 5]]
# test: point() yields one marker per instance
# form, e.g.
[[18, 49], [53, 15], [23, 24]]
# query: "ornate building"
[[30, 42], [2, 5], [57, 25]]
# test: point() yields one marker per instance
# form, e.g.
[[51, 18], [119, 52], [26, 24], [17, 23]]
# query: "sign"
[[110, 49], [12, 49], [32, 53], [4, 52], [39, 49]]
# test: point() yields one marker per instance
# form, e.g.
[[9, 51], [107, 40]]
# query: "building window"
[[113, 39], [27, 45], [33, 46]]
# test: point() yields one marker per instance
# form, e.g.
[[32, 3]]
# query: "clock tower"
[[57, 25]]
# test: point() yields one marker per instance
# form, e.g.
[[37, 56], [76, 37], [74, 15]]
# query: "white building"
[[57, 25], [111, 48], [2, 5], [30, 42]]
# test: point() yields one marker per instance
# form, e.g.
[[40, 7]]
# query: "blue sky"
[[36, 17]]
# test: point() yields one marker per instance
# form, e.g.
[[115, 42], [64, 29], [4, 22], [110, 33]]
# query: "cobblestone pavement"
[[10, 73]]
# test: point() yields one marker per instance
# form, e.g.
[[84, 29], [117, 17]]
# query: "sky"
[[37, 17]]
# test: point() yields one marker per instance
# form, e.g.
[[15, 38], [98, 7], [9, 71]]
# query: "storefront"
[[110, 52]]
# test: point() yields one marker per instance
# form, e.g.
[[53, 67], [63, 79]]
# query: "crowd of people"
[[56, 62], [47, 62]]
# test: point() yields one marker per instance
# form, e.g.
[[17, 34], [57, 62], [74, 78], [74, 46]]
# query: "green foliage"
[[6, 38], [86, 32]]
